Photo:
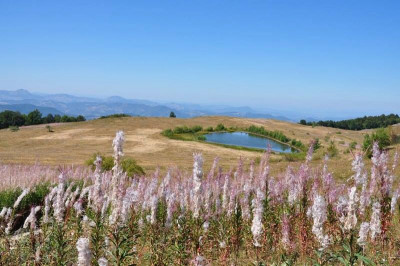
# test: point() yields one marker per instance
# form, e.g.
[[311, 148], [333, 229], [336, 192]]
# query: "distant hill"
[[93, 107], [27, 108]]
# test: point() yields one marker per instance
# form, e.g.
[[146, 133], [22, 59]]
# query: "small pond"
[[247, 140]]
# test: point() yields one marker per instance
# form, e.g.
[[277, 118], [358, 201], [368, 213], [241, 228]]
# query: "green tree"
[[57, 118], [303, 122], [34, 118], [172, 114], [80, 118], [66, 118], [48, 119], [10, 118]]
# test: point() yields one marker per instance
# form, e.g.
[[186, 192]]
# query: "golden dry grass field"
[[73, 143]]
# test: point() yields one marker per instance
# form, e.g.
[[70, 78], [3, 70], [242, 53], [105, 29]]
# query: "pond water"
[[247, 140]]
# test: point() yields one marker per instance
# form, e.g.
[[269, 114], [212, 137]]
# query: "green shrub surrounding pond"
[[196, 133]]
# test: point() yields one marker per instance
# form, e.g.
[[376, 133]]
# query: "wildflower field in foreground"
[[240, 217]]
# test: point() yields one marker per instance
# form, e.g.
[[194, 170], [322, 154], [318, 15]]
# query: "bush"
[[353, 145], [297, 144], [185, 129], [317, 144], [129, 165], [113, 116], [34, 197], [201, 138], [293, 157], [49, 129], [210, 129], [196, 129], [220, 127], [168, 133], [278, 135], [332, 150], [172, 115], [13, 128], [131, 168], [394, 136], [9, 196], [381, 136]]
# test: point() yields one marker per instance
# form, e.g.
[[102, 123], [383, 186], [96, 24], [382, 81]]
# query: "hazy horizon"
[[318, 58]]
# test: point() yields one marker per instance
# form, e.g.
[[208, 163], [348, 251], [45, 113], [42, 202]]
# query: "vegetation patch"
[[366, 122], [380, 136], [13, 120], [129, 165], [35, 196], [114, 116]]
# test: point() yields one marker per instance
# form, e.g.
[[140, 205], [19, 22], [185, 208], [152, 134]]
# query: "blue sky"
[[317, 57]]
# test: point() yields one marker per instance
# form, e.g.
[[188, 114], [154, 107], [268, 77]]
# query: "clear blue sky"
[[325, 57]]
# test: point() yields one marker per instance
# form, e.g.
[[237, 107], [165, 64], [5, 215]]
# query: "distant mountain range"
[[27, 108], [25, 102]]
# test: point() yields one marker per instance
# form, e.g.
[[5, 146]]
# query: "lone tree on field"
[[172, 114]]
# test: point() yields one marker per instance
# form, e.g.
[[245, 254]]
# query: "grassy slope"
[[73, 143]]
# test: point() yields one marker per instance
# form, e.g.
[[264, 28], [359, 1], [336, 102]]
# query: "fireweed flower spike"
[[256, 226], [286, 232], [3, 212], [19, 199], [102, 261], [375, 224], [363, 234], [118, 144], [351, 218], [197, 183], [319, 218], [394, 200], [84, 253], [58, 203]]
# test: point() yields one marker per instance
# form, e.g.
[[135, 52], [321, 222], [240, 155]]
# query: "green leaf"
[[342, 260], [364, 259]]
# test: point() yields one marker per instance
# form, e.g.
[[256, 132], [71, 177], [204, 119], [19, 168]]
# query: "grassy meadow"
[[73, 143]]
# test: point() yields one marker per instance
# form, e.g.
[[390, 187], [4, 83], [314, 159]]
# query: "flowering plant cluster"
[[21, 175], [243, 216]]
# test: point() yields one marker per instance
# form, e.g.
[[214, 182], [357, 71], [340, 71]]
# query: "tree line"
[[16, 119], [366, 122]]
